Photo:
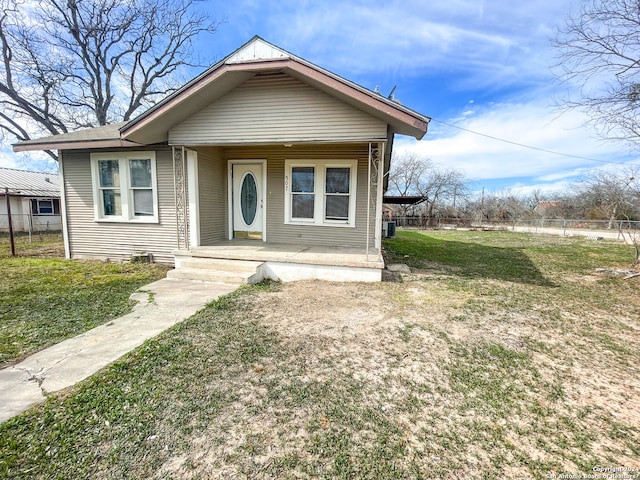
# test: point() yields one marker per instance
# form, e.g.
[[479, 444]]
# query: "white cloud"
[[529, 124], [35, 161], [8, 161], [490, 41]]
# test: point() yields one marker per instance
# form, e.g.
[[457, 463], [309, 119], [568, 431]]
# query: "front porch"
[[253, 261]]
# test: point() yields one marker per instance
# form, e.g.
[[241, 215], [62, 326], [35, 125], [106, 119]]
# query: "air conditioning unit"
[[389, 229]]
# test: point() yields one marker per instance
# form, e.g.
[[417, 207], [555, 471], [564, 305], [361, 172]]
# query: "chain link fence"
[[613, 229], [33, 236], [29, 223]]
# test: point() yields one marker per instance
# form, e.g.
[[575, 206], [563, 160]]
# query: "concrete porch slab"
[[255, 250]]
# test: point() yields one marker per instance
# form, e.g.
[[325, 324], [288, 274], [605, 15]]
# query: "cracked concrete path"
[[161, 304]]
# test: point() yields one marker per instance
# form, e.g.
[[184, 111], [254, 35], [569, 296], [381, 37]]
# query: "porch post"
[[374, 195], [379, 199], [193, 196], [181, 197]]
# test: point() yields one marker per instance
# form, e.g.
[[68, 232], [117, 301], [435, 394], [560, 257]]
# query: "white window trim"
[[320, 171], [126, 192]]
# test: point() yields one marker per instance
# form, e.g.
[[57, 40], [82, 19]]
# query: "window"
[[320, 193], [302, 193], [337, 193], [48, 206], [124, 186], [142, 192], [109, 185]]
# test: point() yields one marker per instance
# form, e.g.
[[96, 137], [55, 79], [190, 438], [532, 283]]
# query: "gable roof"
[[259, 56], [29, 184], [256, 56]]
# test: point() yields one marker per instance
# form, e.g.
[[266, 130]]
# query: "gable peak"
[[255, 50]]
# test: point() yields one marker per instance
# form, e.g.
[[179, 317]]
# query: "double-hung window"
[[47, 206], [337, 193], [303, 193], [124, 186], [320, 193]]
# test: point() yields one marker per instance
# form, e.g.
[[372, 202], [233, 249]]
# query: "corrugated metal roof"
[[29, 184]]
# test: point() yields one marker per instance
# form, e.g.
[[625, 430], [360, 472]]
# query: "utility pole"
[[13, 244]]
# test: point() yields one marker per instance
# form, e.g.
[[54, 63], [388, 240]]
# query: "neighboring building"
[[35, 201], [263, 157], [545, 208]]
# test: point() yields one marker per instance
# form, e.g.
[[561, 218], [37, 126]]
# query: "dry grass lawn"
[[501, 356]]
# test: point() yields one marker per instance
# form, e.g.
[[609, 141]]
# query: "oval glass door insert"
[[249, 198]]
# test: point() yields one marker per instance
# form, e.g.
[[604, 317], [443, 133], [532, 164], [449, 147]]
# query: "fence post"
[[11, 240]]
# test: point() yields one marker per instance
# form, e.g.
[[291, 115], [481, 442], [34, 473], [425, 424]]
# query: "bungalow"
[[32, 199], [265, 159]]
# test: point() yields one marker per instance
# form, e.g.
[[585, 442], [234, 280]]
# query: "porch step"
[[207, 263], [215, 270], [202, 275]]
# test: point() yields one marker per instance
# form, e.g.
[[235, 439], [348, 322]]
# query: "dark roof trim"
[[403, 199]]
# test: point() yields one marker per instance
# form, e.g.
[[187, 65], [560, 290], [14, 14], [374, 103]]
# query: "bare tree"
[[610, 194], [600, 52], [498, 206], [412, 174], [406, 171], [441, 185], [70, 64], [613, 195]]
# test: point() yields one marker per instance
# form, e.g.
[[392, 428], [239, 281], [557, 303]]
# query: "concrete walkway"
[[161, 304]]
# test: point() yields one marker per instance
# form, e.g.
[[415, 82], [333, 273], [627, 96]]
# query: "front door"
[[248, 200]]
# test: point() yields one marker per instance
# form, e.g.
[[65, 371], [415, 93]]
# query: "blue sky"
[[480, 65]]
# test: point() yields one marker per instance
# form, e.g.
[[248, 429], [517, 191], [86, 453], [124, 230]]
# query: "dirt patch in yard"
[[457, 390]]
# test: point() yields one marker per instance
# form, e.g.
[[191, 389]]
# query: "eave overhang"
[[152, 126], [71, 145]]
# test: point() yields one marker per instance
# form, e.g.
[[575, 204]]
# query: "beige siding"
[[277, 230], [88, 238], [276, 108], [212, 189]]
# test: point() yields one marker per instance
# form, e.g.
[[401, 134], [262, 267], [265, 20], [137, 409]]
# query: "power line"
[[527, 146]]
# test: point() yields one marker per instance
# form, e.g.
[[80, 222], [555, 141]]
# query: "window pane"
[[249, 199], [143, 202], [109, 174], [111, 202], [140, 173], [302, 179], [337, 207], [45, 206], [56, 206], [302, 206], [34, 206], [338, 180]]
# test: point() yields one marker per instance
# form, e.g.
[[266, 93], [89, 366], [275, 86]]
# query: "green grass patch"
[[129, 418], [505, 256], [44, 301]]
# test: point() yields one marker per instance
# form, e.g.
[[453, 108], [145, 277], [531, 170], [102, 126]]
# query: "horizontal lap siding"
[[212, 189], [276, 108], [277, 231], [88, 238]]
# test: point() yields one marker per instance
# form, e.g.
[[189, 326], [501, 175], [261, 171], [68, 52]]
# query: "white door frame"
[[263, 199]]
